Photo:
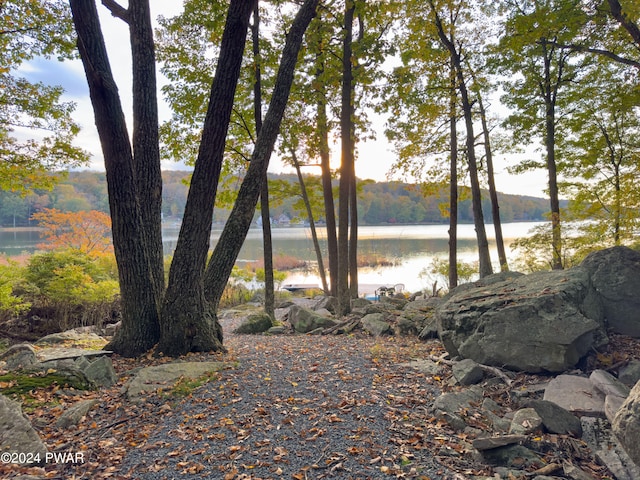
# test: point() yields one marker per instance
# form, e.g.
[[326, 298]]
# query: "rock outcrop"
[[544, 321]]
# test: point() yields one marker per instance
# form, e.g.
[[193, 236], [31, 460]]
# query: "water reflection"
[[411, 247]]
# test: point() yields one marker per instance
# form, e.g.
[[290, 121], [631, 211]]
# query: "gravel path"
[[299, 407]]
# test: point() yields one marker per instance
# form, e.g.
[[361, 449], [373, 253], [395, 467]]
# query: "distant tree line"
[[379, 203]]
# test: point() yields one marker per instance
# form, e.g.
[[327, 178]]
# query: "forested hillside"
[[379, 203]]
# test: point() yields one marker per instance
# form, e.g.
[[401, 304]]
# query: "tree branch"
[[597, 51], [117, 10]]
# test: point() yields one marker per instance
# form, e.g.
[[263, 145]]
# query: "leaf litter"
[[299, 407]]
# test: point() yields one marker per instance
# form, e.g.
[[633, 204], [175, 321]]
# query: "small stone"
[[73, 415], [488, 443], [555, 418], [467, 372], [525, 421]]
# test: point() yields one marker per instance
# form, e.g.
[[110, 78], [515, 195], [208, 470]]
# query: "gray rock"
[[626, 424], [73, 415], [612, 404], [375, 324], [545, 321], [602, 442], [304, 321], [448, 406], [525, 421], [16, 433], [151, 379], [69, 335], [425, 366], [608, 384], [407, 326], [575, 394], [81, 363], [328, 303], [277, 330], [615, 275], [513, 456], [398, 303], [489, 443], [630, 373], [18, 356], [255, 323], [467, 372], [359, 303], [111, 329], [575, 473], [555, 418], [101, 372]]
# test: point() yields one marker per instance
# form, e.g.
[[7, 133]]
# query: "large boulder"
[[615, 276], [545, 321], [626, 424], [304, 321]]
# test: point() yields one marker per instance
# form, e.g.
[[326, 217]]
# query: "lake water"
[[411, 247]]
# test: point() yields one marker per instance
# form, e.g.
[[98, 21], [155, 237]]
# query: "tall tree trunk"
[[146, 144], [187, 322], [267, 244], [453, 181], [550, 93], [493, 194], [476, 196], [139, 288], [353, 238], [236, 228], [312, 223], [322, 130], [346, 168]]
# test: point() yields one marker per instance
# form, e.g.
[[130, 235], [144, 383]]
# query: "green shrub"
[[72, 287], [11, 304]]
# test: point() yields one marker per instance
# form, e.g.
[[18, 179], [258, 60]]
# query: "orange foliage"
[[87, 231]]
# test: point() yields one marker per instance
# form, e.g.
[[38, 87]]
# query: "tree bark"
[[188, 323], [139, 288], [327, 193], [236, 228], [453, 182], [322, 131], [549, 91], [476, 195], [493, 193], [353, 236], [146, 145], [346, 168], [312, 224], [267, 244]]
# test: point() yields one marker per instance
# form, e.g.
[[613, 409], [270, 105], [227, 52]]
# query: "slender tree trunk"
[[353, 238], [476, 196], [187, 322], [267, 244], [549, 93], [453, 182], [312, 223], [139, 288], [346, 168], [322, 129], [236, 228], [493, 194]]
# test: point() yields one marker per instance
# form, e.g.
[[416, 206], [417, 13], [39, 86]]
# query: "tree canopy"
[[37, 128]]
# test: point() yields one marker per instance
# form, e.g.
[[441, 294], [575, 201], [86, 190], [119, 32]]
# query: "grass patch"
[[186, 386], [22, 384]]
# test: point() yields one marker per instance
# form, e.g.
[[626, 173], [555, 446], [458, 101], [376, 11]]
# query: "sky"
[[374, 156]]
